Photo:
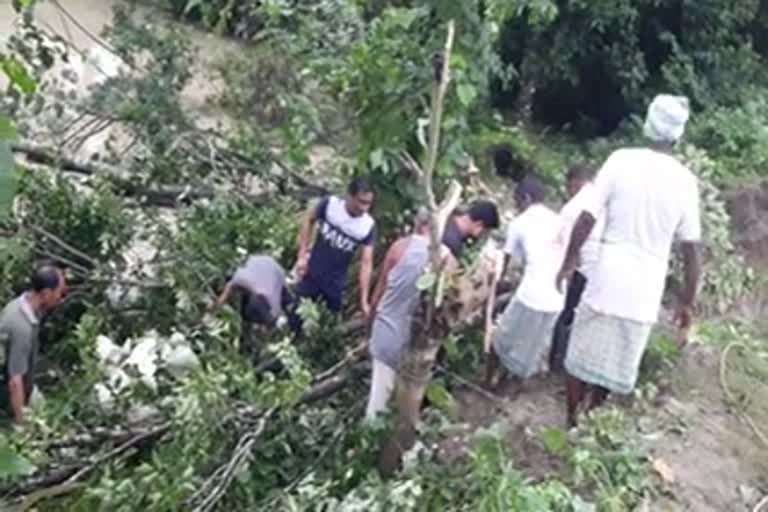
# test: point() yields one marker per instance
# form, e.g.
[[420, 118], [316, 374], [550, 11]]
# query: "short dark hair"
[[257, 310], [580, 172], [532, 188], [485, 212], [45, 277], [359, 185]]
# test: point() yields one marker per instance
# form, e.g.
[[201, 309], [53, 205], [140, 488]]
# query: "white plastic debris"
[[108, 352], [181, 360], [140, 360]]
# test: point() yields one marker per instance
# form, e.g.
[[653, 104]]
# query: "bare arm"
[[16, 394], [305, 239], [581, 231], [692, 270], [224, 297], [366, 270], [393, 256], [505, 267]]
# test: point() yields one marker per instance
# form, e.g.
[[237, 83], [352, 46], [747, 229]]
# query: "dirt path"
[[717, 461]]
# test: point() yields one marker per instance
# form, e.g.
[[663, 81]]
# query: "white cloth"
[[648, 199], [666, 118], [583, 200], [536, 239], [382, 385]]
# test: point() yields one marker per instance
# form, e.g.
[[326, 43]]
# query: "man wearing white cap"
[[648, 199]]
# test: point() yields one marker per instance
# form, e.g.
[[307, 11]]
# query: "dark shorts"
[[329, 296], [245, 306], [562, 331], [309, 288]]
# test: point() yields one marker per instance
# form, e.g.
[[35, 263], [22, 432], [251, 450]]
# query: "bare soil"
[[717, 462]]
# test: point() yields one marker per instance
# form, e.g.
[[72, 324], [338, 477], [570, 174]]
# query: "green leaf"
[[18, 75], [458, 61], [376, 159], [555, 441], [7, 128], [13, 464], [20, 5], [7, 178], [426, 281], [467, 94], [441, 398], [403, 18]]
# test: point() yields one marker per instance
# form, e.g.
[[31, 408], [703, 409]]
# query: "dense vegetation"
[[555, 81]]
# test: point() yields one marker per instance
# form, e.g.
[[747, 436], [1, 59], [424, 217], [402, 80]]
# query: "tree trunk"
[[416, 368], [524, 100], [413, 377]]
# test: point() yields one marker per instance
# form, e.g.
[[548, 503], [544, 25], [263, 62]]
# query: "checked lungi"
[[523, 339], [605, 350]]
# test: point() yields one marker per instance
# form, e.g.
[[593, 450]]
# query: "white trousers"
[[382, 385]]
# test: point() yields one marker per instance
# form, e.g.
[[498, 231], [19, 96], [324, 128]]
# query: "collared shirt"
[[19, 329]]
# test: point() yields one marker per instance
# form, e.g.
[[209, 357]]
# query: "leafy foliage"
[[355, 75]]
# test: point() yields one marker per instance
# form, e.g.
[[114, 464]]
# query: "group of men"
[[610, 243]]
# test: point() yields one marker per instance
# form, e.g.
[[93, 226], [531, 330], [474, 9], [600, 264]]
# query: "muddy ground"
[[717, 462]]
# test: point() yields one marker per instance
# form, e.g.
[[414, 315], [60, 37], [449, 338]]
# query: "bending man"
[[396, 298], [263, 295]]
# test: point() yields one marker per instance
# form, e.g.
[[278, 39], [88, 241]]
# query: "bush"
[[737, 136]]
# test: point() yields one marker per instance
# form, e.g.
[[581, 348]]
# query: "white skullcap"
[[666, 118]]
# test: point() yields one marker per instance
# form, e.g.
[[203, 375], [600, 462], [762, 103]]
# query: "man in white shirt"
[[649, 199], [581, 194], [535, 241]]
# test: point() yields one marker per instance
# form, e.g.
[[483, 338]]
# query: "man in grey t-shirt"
[[19, 327], [261, 284]]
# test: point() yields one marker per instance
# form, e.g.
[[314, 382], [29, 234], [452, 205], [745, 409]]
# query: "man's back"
[[648, 199], [536, 239], [262, 275], [650, 195]]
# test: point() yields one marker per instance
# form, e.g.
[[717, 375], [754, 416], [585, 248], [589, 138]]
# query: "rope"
[[730, 397]]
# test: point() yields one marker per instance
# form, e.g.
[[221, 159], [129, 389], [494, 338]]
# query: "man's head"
[[530, 191], [421, 221], [258, 311], [578, 176], [359, 196], [483, 216], [49, 286], [666, 119]]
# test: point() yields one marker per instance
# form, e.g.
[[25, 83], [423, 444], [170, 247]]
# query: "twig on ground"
[[62, 244], [474, 387], [215, 487], [270, 502], [351, 357]]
